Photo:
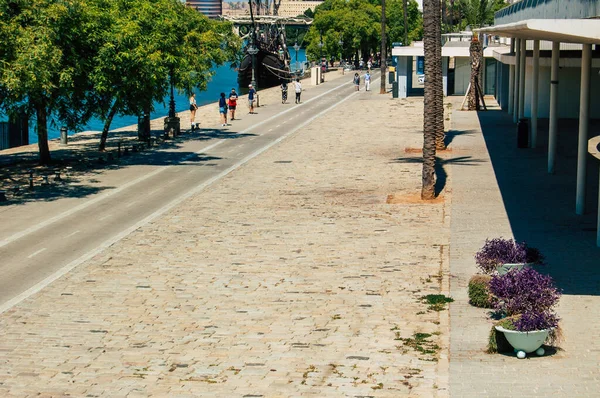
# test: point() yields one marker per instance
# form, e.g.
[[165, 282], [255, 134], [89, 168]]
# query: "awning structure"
[[448, 51], [586, 31]]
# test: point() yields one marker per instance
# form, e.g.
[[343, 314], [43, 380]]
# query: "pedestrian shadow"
[[209, 134], [441, 176]]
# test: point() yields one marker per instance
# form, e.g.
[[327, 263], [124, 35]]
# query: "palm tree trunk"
[[439, 82], [383, 49], [476, 56], [42, 131], [429, 46]]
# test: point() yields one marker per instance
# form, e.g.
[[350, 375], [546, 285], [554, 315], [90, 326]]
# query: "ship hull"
[[270, 70]]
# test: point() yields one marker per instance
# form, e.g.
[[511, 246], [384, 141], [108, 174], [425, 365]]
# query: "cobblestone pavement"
[[299, 274]]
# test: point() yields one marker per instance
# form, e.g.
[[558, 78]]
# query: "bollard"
[[30, 179], [3, 196], [522, 134], [64, 138]]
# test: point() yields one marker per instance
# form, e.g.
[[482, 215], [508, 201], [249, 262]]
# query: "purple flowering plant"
[[498, 251], [526, 293]]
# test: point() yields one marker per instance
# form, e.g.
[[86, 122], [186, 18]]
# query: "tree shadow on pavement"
[[541, 206], [441, 176], [451, 134]]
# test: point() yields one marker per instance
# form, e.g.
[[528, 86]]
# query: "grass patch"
[[437, 302]]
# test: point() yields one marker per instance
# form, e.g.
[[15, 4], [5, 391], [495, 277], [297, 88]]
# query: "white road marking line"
[[72, 233], [109, 242], [97, 199], [32, 255], [269, 130], [104, 217], [131, 203]]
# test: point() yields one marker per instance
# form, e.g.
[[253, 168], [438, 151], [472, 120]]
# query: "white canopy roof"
[[563, 30]]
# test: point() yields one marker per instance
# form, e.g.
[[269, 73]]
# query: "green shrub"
[[479, 291], [497, 342]]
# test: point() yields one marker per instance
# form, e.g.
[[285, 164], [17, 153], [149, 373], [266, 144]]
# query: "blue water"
[[224, 79]]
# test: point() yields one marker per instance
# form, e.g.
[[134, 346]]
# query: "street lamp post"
[[252, 50], [296, 48], [172, 101], [171, 122], [321, 60]]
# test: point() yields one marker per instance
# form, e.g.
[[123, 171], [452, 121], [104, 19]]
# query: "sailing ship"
[[266, 53]]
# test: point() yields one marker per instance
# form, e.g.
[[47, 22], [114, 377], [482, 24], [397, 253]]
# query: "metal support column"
[[511, 89], [517, 83], [584, 108], [534, 92], [522, 69], [553, 130]]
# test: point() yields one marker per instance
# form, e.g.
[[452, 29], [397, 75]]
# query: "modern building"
[[210, 8], [293, 8], [552, 70]]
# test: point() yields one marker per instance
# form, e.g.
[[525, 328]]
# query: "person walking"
[[232, 102], [367, 81], [284, 91], [223, 109], [251, 95], [193, 108], [298, 89], [356, 81]]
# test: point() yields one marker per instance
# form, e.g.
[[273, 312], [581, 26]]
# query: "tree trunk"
[[439, 82], [405, 12], [107, 122], [383, 49], [42, 131], [476, 55], [429, 47]]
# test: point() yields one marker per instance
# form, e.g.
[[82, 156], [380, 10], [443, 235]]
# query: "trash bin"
[[391, 77], [522, 134], [64, 137], [394, 89], [144, 127]]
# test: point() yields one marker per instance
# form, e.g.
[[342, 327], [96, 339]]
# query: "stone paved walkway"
[[292, 276]]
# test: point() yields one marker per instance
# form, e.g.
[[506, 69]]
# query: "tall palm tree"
[[432, 52], [383, 49], [439, 83]]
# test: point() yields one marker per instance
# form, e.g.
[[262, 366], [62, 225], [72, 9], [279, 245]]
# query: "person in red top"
[[232, 103]]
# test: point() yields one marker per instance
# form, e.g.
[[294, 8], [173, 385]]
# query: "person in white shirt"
[[298, 89], [367, 81]]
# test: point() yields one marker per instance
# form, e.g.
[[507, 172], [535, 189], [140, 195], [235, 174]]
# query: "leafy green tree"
[[47, 55], [395, 21], [147, 43], [477, 13]]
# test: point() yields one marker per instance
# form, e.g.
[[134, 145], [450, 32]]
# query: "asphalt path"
[[40, 242]]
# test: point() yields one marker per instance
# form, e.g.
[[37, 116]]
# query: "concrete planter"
[[525, 342], [504, 268]]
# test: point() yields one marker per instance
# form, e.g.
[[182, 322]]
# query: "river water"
[[224, 79]]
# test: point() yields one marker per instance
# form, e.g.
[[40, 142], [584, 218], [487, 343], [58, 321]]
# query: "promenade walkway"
[[301, 274], [292, 276]]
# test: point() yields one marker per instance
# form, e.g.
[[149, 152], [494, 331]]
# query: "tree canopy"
[[356, 24], [66, 60]]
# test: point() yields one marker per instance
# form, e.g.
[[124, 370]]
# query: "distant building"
[[293, 8], [210, 8]]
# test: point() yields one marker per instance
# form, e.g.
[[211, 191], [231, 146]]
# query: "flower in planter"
[[499, 251], [523, 291]]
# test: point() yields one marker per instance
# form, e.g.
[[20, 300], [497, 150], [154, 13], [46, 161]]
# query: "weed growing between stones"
[[420, 342], [437, 302]]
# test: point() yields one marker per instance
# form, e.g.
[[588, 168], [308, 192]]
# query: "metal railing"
[[547, 9]]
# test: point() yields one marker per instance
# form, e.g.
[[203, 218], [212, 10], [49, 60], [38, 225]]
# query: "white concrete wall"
[[462, 75], [568, 92]]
